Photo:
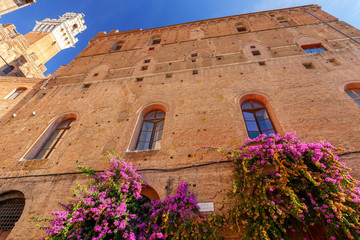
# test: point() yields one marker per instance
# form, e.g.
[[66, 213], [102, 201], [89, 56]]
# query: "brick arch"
[[201, 50], [349, 85], [97, 72], [264, 99], [12, 203], [150, 193], [303, 39]]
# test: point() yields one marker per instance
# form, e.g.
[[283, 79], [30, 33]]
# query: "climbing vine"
[[282, 186], [112, 207]]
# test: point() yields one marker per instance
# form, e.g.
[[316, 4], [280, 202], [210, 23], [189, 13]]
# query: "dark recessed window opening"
[[117, 46], [155, 40], [241, 29], [146, 60], [256, 53], [219, 58], [194, 55], [193, 60], [252, 47], [195, 72], [308, 65], [262, 63], [144, 68], [95, 74], [86, 85], [152, 48], [139, 79]]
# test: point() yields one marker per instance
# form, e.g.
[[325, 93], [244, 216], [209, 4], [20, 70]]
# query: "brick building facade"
[[197, 77]]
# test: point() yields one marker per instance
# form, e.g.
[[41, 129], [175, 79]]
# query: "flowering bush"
[[282, 186], [111, 207]]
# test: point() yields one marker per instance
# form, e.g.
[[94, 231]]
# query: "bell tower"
[[50, 36]]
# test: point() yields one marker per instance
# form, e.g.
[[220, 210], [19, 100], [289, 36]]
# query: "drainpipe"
[[303, 9]]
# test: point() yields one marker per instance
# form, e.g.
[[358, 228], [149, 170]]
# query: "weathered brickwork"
[[199, 74]]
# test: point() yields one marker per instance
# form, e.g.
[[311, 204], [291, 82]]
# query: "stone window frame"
[[139, 124], [44, 138], [350, 88], [314, 48], [15, 93]]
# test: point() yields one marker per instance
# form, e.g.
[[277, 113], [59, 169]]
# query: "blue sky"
[[126, 15]]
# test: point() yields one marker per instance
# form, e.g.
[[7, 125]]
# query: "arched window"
[[117, 46], [151, 131], [8, 70], [11, 207], [355, 95], [256, 118], [16, 93], [53, 139]]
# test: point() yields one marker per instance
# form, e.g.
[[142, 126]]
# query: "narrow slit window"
[[256, 118]]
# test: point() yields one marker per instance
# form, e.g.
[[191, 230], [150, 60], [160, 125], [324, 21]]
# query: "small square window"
[[156, 41], [152, 48], [144, 68], [219, 58], [168, 75], [146, 60], [139, 79], [95, 74], [256, 53], [86, 85], [193, 60], [309, 65], [262, 63], [194, 55], [195, 72], [241, 29]]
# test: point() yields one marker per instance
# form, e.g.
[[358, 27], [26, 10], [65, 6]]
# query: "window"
[[53, 139], [194, 55], [86, 85], [283, 21], [155, 40], [144, 68], [355, 95], [117, 46], [16, 93], [139, 79], [313, 48], [151, 131], [256, 53], [8, 70], [241, 27], [147, 60], [308, 65], [256, 119], [11, 207]]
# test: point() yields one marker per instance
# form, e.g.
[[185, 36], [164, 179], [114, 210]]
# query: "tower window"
[[8, 70], [313, 48], [241, 27], [194, 55], [283, 21], [354, 94], [151, 131], [155, 40], [117, 46], [16, 93], [256, 119], [147, 61], [144, 68]]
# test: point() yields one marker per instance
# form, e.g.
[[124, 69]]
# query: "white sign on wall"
[[206, 206]]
